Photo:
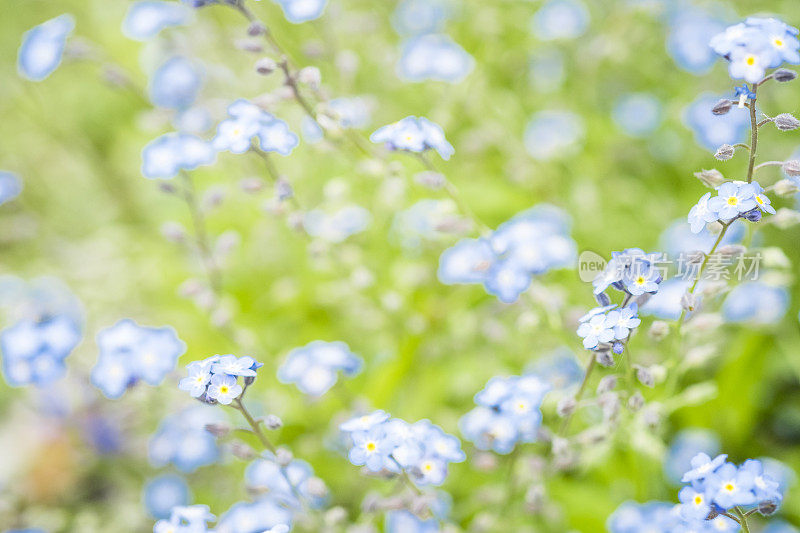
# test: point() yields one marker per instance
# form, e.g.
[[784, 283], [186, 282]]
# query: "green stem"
[[201, 235], [254, 425], [753, 135], [589, 368], [742, 519], [703, 267]]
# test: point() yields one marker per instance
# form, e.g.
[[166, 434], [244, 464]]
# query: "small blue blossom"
[[266, 475], [690, 30], [552, 134], [163, 493], [10, 186], [298, 11], [695, 503], [641, 277], [352, 112], [418, 17], [414, 134], [756, 303], [508, 412], [191, 519], [732, 200], [314, 367], [762, 202], [700, 214], [182, 439], [632, 271], [560, 369], [764, 487], [730, 486], [130, 353], [423, 450], [167, 155], [248, 123], [34, 351], [755, 45], [434, 57], [264, 514], [223, 388], [43, 47], [338, 225], [215, 379], [637, 114], [684, 447], [176, 83], [531, 243], [145, 19], [406, 522], [595, 331], [560, 19], [623, 321], [702, 467]]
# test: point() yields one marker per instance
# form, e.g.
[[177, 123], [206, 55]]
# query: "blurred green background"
[[88, 217]]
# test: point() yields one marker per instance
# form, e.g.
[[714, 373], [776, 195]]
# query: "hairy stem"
[[578, 395], [753, 135], [201, 235]]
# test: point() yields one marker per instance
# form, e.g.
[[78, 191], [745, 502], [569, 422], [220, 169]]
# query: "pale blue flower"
[[418, 17], [413, 134], [176, 83], [711, 131], [163, 493], [43, 47], [261, 515], [314, 368], [298, 11], [756, 303], [553, 134], [733, 199], [10, 186], [434, 57], [182, 439], [145, 19], [637, 114], [338, 225], [167, 155], [702, 467], [223, 388], [34, 351], [560, 19]]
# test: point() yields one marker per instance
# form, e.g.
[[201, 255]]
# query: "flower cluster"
[[190, 519], [248, 123], [43, 47], [130, 353], [414, 134], [631, 271], [170, 153], [531, 243], [34, 351], [734, 199], [607, 328], [182, 439], [753, 46], [422, 449], [508, 412], [314, 367], [717, 485], [289, 484], [216, 378]]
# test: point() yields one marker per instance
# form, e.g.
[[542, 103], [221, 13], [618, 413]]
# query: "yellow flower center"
[[733, 200], [698, 500], [371, 446], [751, 60], [729, 487], [778, 43], [224, 389], [759, 200], [640, 280]]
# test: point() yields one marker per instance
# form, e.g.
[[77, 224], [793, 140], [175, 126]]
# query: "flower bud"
[[242, 451], [335, 515], [251, 185], [256, 28], [786, 122], [645, 376], [783, 75], [722, 107], [266, 66], [218, 430], [173, 232], [272, 422], [658, 330], [711, 178], [636, 401], [283, 457], [566, 406], [310, 76], [608, 383], [731, 250], [248, 45], [602, 299], [431, 180], [754, 215], [791, 167], [785, 188], [725, 152], [617, 348], [688, 301], [283, 190], [604, 358], [316, 487], [767, 507]]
